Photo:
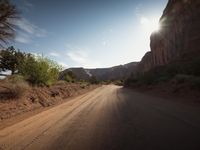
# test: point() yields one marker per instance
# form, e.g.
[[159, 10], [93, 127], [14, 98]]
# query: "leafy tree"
[[68, 78], [39, 71], [8, 14], [10, 59]]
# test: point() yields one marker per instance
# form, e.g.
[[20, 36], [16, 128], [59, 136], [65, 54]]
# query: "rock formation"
[[146, 63], [103, 74], [178, 37]]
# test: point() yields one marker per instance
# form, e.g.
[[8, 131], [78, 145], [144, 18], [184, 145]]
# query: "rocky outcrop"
[[114, 73], [103, 74], [178, 37], [81, 73], [145, 63]]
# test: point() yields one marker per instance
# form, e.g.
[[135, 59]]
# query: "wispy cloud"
[[138, 10], [74, 56], [26, 5], [54, 54], [78, 56], [81, 58], [30, 28], [27, 31], [23, 38]]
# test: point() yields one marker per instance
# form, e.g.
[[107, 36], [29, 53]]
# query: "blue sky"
[[87, 33]]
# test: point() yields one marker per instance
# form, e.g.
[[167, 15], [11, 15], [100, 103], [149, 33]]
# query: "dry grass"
[[13, 87], [61, 82]]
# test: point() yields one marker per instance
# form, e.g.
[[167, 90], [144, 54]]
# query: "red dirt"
[[36, 99]]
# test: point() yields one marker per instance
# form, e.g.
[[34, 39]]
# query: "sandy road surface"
[[108, 118]]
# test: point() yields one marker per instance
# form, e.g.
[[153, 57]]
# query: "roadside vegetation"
[[36, 70], [13, 87], [29, 71], [69, 76], [178, 73]]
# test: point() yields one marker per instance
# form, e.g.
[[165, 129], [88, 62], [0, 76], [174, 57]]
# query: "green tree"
[[10, 59], [70, 76], [39, 70], [8, 14]]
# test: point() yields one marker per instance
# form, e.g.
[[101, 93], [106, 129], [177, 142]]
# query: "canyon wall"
[[178, 37]]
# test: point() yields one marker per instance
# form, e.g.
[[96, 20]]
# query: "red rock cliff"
[[179, 34]]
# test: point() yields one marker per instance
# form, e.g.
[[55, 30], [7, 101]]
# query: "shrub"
[[180, 71], [130, 81], [61, 82], [39, 71], [81, 81], [181, 78], [83, 86], [162, 79], [189, 80], [14, 87], [93, 80], [119, 82], [70, 76], [18, 89], [14, 79]]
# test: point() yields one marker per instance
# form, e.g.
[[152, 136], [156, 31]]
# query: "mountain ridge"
[[111, 73]]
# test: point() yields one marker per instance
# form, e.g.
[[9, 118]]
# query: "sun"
[[150, 25]]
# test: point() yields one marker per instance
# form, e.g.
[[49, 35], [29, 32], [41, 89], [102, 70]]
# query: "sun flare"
[[150, 24]]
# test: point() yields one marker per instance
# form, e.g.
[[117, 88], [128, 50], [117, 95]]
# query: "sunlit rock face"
[[179, 34]]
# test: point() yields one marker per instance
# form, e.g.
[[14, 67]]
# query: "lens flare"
[[150, 24]]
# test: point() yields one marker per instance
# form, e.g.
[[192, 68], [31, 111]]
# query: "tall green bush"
[[39, 70], [70, 76]]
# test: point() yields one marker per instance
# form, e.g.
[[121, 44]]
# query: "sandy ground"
[[108, 118]]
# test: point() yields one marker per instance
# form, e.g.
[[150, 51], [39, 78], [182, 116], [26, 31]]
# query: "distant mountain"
[[102, 74]]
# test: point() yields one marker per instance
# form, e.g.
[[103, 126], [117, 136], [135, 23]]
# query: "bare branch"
[[8, 14]]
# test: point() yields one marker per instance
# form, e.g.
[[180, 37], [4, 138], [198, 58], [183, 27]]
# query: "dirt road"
[[109, 118]]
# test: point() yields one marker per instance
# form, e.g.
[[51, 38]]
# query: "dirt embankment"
[[16, 102]]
